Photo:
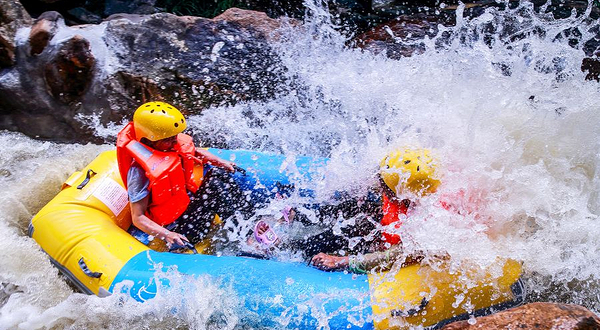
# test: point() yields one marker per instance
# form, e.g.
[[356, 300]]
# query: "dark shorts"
[[351, 238], [218, 194]]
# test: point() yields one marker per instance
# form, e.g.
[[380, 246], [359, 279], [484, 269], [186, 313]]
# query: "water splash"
[[502, 102], [500, 99]]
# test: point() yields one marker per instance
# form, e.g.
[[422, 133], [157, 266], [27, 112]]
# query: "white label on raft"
[[112, 195]]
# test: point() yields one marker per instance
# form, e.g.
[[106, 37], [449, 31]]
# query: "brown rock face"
[[535, 316], [12, 16], [70, 73], [42, 31], [7, 52], [259, 21]]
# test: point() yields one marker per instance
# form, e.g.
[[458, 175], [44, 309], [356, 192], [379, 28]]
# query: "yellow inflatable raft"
[[83, 231]]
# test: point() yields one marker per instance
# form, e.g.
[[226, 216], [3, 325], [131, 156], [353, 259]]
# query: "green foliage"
[[202, 8]]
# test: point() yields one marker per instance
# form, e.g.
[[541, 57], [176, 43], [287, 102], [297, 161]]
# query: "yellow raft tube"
[[83, 230]]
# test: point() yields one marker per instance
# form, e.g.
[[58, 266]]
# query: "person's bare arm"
[[206, 157], [145, 224], [379, 261]]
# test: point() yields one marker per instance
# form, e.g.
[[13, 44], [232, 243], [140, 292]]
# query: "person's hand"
[[229, 166], [324, 261], [175, 238]]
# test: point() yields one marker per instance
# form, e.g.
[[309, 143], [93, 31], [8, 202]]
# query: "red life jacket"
[[170, 173], [392, 208]]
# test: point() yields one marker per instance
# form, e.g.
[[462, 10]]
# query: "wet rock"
[[43, 31], [591, 66], [42, 126], [276, 8], [193, 62], [12, 17], [401, 37], [85, 16], [70, 73], [129, 7], [27, 103], [535, 316]]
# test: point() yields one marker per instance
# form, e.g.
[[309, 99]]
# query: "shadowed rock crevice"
[[71, 72]]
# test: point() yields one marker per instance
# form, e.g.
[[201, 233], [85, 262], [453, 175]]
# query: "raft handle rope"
[[87, 271], [88, 176], [191, 247], [186, 245], [410, 312]]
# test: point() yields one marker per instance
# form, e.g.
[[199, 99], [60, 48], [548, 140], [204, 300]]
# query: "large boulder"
[[591, 64], [534, 316], [12, 17], [189, 61], [101, 73]]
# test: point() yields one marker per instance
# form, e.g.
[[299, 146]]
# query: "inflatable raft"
[[84, 232]]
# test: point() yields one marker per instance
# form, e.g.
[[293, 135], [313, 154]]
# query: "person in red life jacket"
[[170, 195], [404, 176]]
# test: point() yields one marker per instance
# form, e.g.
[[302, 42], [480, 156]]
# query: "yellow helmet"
[[157, 120], [417, 168]]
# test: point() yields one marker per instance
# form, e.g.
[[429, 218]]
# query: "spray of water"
[[499, 99], [502, 102]]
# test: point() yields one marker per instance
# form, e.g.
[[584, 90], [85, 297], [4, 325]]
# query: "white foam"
[[521, 150]]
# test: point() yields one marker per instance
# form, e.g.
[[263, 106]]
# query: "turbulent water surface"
[[502, 104]]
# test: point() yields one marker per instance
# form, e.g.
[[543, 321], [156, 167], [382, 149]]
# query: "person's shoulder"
[[137, 184], [136, 172], [135, 167]]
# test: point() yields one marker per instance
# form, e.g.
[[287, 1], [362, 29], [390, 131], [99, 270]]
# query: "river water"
[[502, 104]]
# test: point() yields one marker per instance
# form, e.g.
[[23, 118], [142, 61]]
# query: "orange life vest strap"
[[193, 170]]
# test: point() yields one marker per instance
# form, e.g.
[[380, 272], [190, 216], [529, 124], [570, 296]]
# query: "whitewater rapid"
[[508, 114]]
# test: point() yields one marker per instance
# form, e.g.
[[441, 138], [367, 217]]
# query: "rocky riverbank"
[[55, 75], [58, 76]]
